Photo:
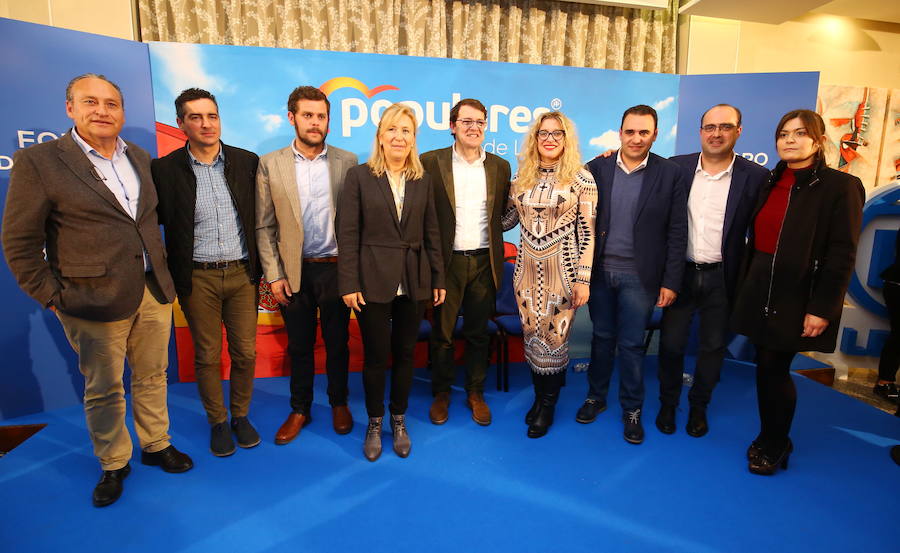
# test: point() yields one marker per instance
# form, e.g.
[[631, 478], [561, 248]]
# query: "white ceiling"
[[876, 10], [779, 11]]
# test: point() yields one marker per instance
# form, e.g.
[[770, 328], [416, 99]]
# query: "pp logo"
[[556, 104], [881, 219]]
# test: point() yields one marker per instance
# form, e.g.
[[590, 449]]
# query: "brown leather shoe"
[[440, 408], [342, 419], [291, 428], [481, 413]]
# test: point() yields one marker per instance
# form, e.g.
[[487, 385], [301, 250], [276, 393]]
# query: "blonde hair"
[[412, 169], [529, 159]]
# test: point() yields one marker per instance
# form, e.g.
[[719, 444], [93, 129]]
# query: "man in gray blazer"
[[87, 199], [297, 189]]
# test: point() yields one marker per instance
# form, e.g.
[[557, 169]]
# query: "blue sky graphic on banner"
[[762, 98], [252, 85]]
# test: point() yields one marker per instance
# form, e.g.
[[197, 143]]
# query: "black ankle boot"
[[543, 418], [529, 416], [546, 388]]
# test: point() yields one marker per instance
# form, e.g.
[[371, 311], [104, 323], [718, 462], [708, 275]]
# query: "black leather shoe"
[[755, 449], [634, 430], [170, 459], [665, 420], [109, 488], [757, 446], [768, 462], [589, 410], [697, 425], [887, 391]]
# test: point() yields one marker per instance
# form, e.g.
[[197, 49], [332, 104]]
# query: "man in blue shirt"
[[638, 262], [207, 193], [297, 189]]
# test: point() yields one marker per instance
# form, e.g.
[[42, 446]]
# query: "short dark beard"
[[307, 141]]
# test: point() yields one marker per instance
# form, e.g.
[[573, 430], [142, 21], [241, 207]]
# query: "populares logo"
[[357, 112]]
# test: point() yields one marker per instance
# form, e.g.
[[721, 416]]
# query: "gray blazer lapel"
[[72, 155], [335, 164], [146, 184], [285, 164]]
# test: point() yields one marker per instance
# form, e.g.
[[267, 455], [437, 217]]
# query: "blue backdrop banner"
[[38, 62], [252, 86], [762, 98]]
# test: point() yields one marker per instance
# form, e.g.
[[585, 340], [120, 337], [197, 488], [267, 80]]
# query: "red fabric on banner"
[[272, 359]]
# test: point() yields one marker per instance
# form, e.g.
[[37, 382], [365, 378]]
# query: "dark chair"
[[653, 325], [507, 319]]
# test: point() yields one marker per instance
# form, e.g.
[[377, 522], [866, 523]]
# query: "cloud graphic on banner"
[[184, 69], [271, 121], [674, 131], [663, 104], [607, 141]]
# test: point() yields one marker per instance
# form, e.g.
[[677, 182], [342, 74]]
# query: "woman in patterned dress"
[[555, 201]]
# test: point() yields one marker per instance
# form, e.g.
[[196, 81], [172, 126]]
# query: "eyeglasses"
[[557, 135], [723, 127], [469, 123]]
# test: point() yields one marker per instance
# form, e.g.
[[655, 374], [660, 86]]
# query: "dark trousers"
[[389, 329], [620, 308], [776, 396], [470, 286], [703, 293], [223, 296], [318, 295], [890, 355]]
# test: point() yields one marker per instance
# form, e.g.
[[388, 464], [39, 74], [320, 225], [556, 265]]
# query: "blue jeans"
[[620, 308]]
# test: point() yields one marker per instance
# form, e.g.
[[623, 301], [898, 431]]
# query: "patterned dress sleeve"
[[587, 215]]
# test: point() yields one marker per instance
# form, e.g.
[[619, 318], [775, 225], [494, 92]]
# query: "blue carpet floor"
[[470, 488]]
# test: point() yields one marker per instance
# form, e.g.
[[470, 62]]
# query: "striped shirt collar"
[[121, 147]]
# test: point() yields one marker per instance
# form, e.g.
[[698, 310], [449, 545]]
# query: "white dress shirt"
[[470, 189], [706, 214], [621, 164], [317, 206]]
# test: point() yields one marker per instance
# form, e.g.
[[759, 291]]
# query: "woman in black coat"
[[801, 254], [389, 266]]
